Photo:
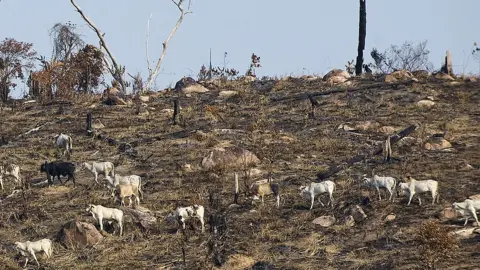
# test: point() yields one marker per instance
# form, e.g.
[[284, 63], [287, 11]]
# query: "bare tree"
[[152, 74], [65, 41], [406, 57], [362, 34], [114, 68]]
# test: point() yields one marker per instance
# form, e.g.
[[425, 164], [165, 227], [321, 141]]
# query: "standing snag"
[[362, 33], [387, 150]]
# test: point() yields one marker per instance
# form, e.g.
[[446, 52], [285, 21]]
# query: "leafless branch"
[[153, 75], [146, 44], [117, 71]]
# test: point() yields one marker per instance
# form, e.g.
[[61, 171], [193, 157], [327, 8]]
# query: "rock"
[[115, 100], [407, 141], [336, 80], [229, 157], [142, 216], [390, 218], [254, 172], [425, 103], [168, 112], [187, 168], [366, 125], [188, 85], [248, 78], [444, 76], [97, 124], [324, 221], [399, 75], [420, 73], [346, 127], [309, 77], [112, 91], [465, 233], [474, 197], [449, 213], [357, 213], [239, 262], [227, 94], [78, 235], [336, 73], [349, 221], [386, 129], [144, 98], [437, 144], [471, 79]]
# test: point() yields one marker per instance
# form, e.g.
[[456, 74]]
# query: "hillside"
[[270, 119]]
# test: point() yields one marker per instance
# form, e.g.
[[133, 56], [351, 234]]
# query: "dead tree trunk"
[[447, 67], [236, 188], [176, 111], [362, 33], [334, 169], [89, 130]]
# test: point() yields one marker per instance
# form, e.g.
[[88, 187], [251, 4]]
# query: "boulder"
[[229, 157], [437, 144], [349, 221], [324, 221], [142, 216], [188, 85], [399, 75], [425, 103], [444, 76], [357, 213], [471, 79], [336, 73], [78, 235], [366, 125], [144, 98], [227, 93], [420, 73]]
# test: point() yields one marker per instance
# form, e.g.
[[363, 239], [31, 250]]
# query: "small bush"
[[435, 243]]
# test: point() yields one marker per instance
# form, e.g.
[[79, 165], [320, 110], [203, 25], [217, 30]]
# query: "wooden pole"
[[176, 111], [235, 200], [89, 130]]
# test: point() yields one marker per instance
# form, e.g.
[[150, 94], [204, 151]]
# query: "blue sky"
[[291, 37]]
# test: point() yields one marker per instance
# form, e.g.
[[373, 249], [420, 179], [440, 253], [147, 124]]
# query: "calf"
[[128, 179], [415, 186], [64, 142], [378, 182], [96, 168], [314, 189], [10, 170], [468, 208], [127, 190], [29, 248], [58, 168], [261, 189], [101, 213]]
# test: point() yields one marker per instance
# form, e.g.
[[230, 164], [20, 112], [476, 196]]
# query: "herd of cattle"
[[130, 186]]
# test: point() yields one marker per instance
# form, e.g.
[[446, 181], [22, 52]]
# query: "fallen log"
[[334, 169]]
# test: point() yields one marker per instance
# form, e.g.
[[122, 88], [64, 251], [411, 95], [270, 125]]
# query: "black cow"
[[58, 168]]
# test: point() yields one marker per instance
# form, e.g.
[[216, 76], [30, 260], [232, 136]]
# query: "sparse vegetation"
[[408, 56]]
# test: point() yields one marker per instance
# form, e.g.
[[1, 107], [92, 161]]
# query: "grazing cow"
[[96, 168], [467, 208], [415, 186], [64, 141], [10, 170], [58, 168], [314, 189], [263, 188], [133, 179], [127, 190], [101, 213], [378, 182], [29, 248], [182, 214]]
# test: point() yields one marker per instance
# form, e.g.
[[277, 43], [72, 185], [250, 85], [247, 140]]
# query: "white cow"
[[182, 214], [63, 141], [314, 189], [29, 248], [106, 168], [100, 213], [468, 208], [378, 182], [10, 170], [133, 179], [415, 186]]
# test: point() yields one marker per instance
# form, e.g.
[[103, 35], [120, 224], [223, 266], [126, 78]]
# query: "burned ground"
[[270, 119]]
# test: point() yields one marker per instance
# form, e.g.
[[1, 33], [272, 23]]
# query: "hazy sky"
[[291, 37]]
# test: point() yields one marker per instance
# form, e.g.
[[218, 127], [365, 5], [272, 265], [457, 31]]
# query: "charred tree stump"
[[362, 33], [89, 130], [334, 169], [236, 189], [176, 111], [314, 104]]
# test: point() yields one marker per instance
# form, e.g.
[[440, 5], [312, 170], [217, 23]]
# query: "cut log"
[[334, 169]]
